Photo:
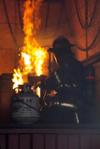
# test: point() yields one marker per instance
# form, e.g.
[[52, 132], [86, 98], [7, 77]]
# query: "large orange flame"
[[33, 58]]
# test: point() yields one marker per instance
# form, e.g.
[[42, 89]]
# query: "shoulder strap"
[[57, 78]]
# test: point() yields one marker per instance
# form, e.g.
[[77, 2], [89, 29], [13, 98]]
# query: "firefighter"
[[65, 85]]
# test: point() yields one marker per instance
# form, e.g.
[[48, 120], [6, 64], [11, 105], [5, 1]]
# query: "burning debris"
[[33, 58]]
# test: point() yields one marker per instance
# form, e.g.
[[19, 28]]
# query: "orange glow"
[[33, 58]]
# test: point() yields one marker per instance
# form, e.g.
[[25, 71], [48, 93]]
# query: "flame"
[[33, 58], [17, 76]]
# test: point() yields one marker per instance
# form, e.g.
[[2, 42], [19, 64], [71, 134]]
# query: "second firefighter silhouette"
[[66, 85]]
